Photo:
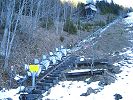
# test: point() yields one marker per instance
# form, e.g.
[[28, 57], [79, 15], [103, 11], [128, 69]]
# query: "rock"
[[129, 62], [9, 99], [30, 97], [47, 99], [22, 97], [125, 16], [1, 88], [89, 91], [94, 78], [102, 83], [116, 52], [84, 94], [114, 69], [126, 58], [118, 96], [107, 79]]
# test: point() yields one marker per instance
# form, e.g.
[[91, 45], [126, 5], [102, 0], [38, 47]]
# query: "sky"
[[125, 3]]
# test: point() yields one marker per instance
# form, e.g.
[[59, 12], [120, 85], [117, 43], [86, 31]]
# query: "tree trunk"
[[7, 28], [9, 40]]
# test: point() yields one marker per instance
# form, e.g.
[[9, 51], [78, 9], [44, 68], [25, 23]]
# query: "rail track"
[[48, 79], [53, 75]]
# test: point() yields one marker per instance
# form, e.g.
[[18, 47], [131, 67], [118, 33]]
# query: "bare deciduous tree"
[[9, 35]]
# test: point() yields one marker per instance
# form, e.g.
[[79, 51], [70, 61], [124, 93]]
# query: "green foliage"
[[87, 27], [78, 25], [106, 7], [110, 19], [100, 23], [81, 9], [46, 23], [70, 27]]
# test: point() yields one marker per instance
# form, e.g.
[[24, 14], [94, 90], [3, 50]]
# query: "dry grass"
[[28, 46]]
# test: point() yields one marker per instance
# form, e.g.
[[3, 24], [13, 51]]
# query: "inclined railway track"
[[49, 78], [52, 76]]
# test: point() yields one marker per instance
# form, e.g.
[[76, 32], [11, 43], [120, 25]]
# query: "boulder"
[[89, 91], [118, 96]]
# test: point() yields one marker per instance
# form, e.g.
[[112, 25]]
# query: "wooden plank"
[[44, 88], [29, 96], [88, 62], [44, 84], [54, 75], [96, 72], [38, 91], [49, 81], [51, 78]]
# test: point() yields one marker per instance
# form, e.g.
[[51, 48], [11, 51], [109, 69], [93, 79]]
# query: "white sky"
[[125, 3]]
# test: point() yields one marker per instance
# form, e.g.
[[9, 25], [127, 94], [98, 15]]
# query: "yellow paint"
[[33, 68]]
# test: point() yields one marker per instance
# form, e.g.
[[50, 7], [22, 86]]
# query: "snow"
[[129, 20], [123, 86], [83, 70], [12, 93], [131, 41], [18, 77], [71, 90], [128, 52], [93, 7], [82, 58], [68, 90]]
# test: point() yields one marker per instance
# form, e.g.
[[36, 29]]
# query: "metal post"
[[33, 79]]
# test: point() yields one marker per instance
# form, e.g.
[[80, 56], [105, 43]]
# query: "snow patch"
[[129, 19], [12, 93], [83, 70], [18, 77], [69, 90], [130, 40]]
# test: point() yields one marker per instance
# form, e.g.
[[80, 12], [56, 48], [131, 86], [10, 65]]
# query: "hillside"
[[120, 55], [31, 29]]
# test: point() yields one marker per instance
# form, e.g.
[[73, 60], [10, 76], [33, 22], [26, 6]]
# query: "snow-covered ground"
[[12, 93], [69, 90], [129, 20]]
